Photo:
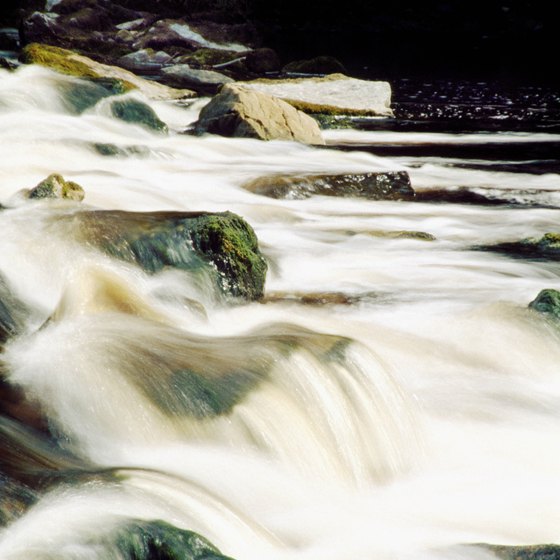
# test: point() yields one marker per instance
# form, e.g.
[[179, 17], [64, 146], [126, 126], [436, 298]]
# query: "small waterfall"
[[415, 412]]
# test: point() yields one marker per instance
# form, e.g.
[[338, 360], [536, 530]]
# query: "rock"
[[546, 247], [318, 65], [55, 186], [167, 33], [201, 81], [222, 244], [155, 539], [334, 94], [384, 185], [261, 61], [547, 302], [15, 499], [7, 64], [529, 552], [144, 60], [134, 111], [208, 58], [68, 62], [317, 299], [12, 312], [241, 112]]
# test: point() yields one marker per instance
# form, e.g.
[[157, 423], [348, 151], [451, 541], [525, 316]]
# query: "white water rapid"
[[422, 416]]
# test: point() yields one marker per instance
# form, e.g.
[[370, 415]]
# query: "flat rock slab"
[[384, 185], [334, 94]]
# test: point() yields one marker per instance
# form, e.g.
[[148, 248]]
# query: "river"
[[434, 425]]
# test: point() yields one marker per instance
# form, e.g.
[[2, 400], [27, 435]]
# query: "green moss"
[[63, 61], [209, 57], [233, 247]]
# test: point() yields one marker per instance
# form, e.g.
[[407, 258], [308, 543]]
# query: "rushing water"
[[421, 415]]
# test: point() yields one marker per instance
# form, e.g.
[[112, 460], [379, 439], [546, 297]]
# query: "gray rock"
[[201, 81], [144, 60], [242, 112]]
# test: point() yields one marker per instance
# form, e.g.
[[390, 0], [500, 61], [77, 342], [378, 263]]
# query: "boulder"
[[546, 247], [55, 186], [547, 302], [201, 81], [137, 112], [149, 540], [383, 185], [318, 65], [68, 62], [12, 312], [167, 33], [333, 94], [222, 245], [261, 61], [242, 112]]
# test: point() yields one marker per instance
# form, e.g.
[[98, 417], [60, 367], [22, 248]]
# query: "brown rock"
[[238, 111]]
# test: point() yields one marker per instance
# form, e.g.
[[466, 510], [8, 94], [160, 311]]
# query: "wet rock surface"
[[222, 244], [384, 185]]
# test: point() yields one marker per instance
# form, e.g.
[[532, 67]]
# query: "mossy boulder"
[[55, 186], [547, 302], [136, 112], [385, 185], [546, 247], [221, 244], [68, 62], [242, 112], [158, 540]]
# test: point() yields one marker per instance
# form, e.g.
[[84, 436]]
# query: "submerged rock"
[[136, 112], [55, 186], [238, 111], [333, 94], [547, 302], [546, 247], [223, 244], [158, 540], [528, 552], [385, 185]]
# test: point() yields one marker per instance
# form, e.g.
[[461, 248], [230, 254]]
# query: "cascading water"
[[421, 417]]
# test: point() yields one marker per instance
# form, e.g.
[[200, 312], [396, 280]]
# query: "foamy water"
[[436, 425]]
